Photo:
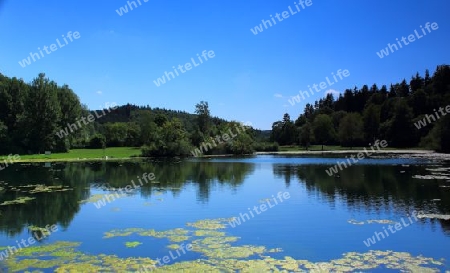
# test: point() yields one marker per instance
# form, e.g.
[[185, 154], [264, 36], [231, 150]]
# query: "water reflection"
[[374, 188], [60, 207]]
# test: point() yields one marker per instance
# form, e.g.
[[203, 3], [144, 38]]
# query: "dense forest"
[[44, 116], [408, 114]]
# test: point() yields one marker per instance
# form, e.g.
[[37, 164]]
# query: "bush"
[[170, 149], [266, 147], [61, 146], [97, 142]]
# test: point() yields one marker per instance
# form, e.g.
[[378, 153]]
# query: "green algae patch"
[[93, 198], [198, 266], [209, 233], [275, 250], [63, 257], [19, 200], [174, 235], [43, 188], [45, 232], [211, 223], [132, 244], [173, 246], [36, 188], [121, 232], [219, 253]]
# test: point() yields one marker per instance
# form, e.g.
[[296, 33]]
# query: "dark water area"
[[309, 216]]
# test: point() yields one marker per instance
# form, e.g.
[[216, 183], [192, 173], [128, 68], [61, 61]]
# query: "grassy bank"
[[83, 154], [118, 153]]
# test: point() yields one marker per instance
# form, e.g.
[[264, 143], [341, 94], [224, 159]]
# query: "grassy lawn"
[[114, 152]]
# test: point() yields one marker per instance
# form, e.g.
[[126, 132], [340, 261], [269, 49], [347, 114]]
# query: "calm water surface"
[[323, 218]]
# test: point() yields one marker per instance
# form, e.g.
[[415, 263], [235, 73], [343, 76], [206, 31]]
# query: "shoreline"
[[348, 152], [426, 154]]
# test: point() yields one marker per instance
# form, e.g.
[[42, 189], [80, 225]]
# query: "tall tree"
[[70, 111], [323, 129], [203, 117], [306, 135], [43, 114], [351, 130], [399, 130], [288, 131], [371, 118]]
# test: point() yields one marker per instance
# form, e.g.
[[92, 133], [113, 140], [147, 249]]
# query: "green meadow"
[[84, 154]]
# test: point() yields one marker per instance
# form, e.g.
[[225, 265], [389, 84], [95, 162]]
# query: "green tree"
[[97, 142], [148, 128], [241, 144], [203, 117], [306, 135], [323, 129], [42, 115], [351, 130], [172, 141], [399, 130], [337, 117], [445, 134], [70, 107], [371, 118], [288, 131], [115, 134]]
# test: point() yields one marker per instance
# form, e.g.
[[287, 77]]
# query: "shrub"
[[266, 147], [97, 142]]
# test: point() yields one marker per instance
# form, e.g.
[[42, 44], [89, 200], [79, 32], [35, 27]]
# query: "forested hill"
[[44, 116], [407, 114], [129, 112]]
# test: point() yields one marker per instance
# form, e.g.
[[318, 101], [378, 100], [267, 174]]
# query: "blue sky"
[[251, 77]]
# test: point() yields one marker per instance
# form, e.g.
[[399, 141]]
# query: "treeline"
[[409, 114], [30, 114], [44, 116]]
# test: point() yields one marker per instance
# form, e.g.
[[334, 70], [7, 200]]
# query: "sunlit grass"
[[79, 154]]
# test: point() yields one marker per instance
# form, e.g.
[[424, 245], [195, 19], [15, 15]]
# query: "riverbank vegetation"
[[43, 116]]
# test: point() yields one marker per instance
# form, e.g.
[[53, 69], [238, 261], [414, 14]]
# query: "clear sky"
[[249, 79]]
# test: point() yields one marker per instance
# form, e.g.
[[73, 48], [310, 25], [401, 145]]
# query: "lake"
[[243, 214]]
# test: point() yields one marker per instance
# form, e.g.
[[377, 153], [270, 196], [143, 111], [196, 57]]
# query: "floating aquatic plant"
[[355, 222], [43, 188], [132, 244], [19, 200], [173, 246], [93, 198], [211, 223], [221, 253]]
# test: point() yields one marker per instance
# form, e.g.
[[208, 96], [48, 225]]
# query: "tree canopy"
[[362, 115]]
